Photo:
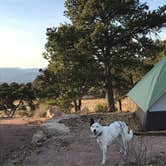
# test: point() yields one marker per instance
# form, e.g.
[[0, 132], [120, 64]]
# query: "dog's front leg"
[[100, 144], [104, 150]]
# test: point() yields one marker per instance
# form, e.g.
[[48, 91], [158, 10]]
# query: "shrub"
[[85, 110], [139, 154], [101, 108]]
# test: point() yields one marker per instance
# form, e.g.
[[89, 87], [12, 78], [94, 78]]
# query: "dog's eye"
[[97, 126]]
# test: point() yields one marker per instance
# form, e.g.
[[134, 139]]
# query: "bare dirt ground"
[[15, 134], [74, 149]]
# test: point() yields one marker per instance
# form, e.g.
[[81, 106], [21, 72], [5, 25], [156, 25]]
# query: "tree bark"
[[120, 105], [109, 90], [77, 105], [5, 109], [15, 108], [110, 98]]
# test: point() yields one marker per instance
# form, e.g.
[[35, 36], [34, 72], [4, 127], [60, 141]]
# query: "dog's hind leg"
[[104, 150], [124, 145], [120, 144]]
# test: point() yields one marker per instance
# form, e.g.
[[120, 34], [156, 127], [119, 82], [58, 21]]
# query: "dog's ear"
[[98, 120], [91, 121]]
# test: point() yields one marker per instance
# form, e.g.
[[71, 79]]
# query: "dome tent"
[[150, 96]]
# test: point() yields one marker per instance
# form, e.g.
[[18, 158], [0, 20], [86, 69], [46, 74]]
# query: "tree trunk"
[[109, 90], [15, 108], [7, 112], [13, 112], [120, 105], [5, 109], [77, 105], [110, 98]]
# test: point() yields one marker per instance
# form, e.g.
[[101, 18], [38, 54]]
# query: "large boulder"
[[52, 127]]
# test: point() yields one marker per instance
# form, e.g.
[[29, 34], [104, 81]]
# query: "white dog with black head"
[[107, 134]]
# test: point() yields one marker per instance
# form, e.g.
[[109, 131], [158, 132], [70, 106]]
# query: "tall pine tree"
[[117, 32]]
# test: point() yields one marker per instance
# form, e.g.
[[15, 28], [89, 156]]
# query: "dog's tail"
[[130, 135]]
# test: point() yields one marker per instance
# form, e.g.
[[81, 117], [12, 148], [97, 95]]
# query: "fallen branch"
[[151, 133]]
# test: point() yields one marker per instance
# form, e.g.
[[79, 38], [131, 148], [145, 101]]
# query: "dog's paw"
[[125, 153], [121, 151], [103, 163]]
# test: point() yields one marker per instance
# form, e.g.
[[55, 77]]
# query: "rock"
[[52, 127], [38, 138], [52, 113]]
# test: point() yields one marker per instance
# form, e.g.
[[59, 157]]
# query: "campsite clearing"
[[75, 149]]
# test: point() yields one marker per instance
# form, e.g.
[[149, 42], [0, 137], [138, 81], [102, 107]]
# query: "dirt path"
[[82, 153], [80, 150], [76, 149], [15, 134]]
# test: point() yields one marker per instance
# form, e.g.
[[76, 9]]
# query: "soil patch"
[[78, 148]]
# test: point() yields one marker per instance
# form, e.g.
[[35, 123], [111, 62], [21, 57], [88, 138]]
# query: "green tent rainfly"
[[150, 96]]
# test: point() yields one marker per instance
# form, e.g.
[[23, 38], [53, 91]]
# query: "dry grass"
[[105, 119], [89, 105], [127, 105]]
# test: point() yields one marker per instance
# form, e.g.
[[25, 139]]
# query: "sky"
[[23, 26]]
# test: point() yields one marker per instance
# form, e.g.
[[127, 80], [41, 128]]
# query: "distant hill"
[[18, 75]]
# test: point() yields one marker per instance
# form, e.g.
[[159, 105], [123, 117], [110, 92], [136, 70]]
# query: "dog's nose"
[[94, 131]]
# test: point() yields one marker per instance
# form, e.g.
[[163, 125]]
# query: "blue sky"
[[22, 30], [23, 25]]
